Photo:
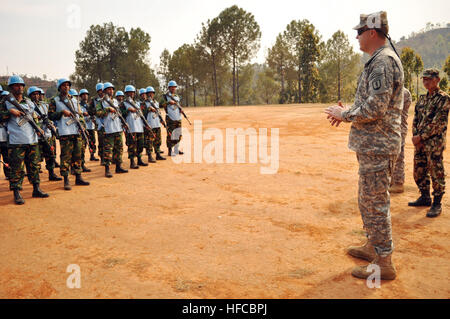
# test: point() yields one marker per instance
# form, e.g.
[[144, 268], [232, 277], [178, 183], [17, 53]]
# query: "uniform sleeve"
[[100, 111], [91, 108], [438, 123], [380, 88], [407, 101], [415, 130], [52, 113], [4, 113], [163, 103]]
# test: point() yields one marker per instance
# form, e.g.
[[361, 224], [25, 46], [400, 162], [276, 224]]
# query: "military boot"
[[93, 158], [366, 252], [107, 172], [151, 159], [57, 165], [387, 269], [133, 164], [67, 186], [80, 181], [38, 193], [85, 169], [159, 157], [18, 198], [397, 189], [120, 170], [141, 162], [423, 201], [52, 176], [169, 152], [436, 208]]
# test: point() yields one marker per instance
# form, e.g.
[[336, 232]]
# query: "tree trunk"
[[299, 88], [216, 91], [237, 86], [234, 80], [417, 88]]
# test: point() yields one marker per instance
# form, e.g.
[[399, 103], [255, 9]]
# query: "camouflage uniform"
[[171, 139], [430, 123], [47, 152], [92, 110], [4, 137], [398, 178], [375, 136]]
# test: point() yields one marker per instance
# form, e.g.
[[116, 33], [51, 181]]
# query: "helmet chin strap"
[[390, 41]]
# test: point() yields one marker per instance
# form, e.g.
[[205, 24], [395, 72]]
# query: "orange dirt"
[[220, 230]]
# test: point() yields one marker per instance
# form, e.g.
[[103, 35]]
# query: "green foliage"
[[446, 67]]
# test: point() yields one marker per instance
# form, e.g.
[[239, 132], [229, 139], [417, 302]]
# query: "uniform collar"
[[376, 53], [435, 92]]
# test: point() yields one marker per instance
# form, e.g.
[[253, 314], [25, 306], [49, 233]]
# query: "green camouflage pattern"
[[71, 146], [113, 148], [428, 164], [21, 156], [171, 126], [4, 156], [47, 153], [136, 144]]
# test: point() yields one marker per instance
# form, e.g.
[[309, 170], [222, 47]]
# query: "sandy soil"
[[220, 230]]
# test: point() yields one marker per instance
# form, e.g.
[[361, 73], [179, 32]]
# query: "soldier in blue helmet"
[[173, 118], [151, 112], [98, 123], [4, 136]]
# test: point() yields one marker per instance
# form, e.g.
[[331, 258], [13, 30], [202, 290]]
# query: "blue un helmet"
[[107, 85], [5, 93], [130, 88], [84, 91], [142, 91], [172, 84], [1, 89], [73, 92], [61, 81], [150, 89], [119, 93], [33, 89], [99, 87], [15, 79], [42, 91]]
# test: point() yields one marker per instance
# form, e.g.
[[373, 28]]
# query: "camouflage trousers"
[[47, 153], [135, 143], [429, 163], [70, 154], [91, 136], [4, 156], [374, 200], [153, 143], [172, 139], [113, 148], [101, 143], [21, 156], [398, 177]]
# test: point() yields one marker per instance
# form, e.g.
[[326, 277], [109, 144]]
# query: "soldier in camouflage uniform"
[[61, 109], [84, 144], [90, 127], [92, 110], [151, 111], [173, 119], [4, 135], [398, 178], [23, 148], [375, 136], [429, 139]]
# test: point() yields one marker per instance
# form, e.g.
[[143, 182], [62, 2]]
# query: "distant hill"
[[48, 86], [433, 45]]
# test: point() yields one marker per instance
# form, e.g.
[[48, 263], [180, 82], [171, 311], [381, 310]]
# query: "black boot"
[[93, 158], [159, 157], [57, 164], [140, 162], [180, 152], [170, 151], [108, 172], [133, 164], [120, 170], [67, 186], [151, 159], [436, 208], [80, 181], [85, 169], [18, 198], [38, 193], [52, 176], [423, 201]]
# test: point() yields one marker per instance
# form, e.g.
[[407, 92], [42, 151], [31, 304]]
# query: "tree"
[[418, 68], [241, 38], [265, 86], [408, 58], [164, 66], [446, 67], [278, 60], [443, 85]]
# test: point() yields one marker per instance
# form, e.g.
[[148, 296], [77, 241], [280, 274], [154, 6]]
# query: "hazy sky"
[[41, 36]]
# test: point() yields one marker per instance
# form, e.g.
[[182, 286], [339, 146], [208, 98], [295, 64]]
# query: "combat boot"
[[133, 164], [18, 198], [107, 172], [120, 170], [93, 158], [52, 176], [57, 165], [387, 269], [80, 181], [366, 252], [436, 208], [423, 201], [151, 159], [159, 157], [169, 152], [141, 162], [67, 186], [85, 169], [397, 189], [38, 193]]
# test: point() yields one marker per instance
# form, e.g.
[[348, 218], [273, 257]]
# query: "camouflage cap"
[[430, 73], [377, 20]]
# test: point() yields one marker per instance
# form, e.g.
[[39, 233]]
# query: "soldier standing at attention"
[[4, 134], [375, 136], [23, 147], [429, 139], [84, 144], [99, 123], [151, 112], [90, 122], [113, 130], [63, 108], [398, 178], [173, 118]]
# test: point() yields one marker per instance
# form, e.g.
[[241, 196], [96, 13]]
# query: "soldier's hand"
[[85, 114], [66, 113], [111, 110], [335, 115], [16, 113], [416, 140], [132, 110], [172, 102], [152, 109]]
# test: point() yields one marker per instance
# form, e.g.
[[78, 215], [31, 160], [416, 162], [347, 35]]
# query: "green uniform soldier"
[[23, 147], [90, 124], [429, 139], [84, 144], [98, 123], [64, 108], [375, 136], [151, 111], [173, 119], [4, 135]]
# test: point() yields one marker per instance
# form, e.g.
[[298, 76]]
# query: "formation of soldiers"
[[30, 129]]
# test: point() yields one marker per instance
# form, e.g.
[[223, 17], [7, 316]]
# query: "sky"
[[41, 36]]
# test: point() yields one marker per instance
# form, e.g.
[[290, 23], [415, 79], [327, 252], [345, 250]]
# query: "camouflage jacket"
[[431, 118], [376, 113], [407, 100]]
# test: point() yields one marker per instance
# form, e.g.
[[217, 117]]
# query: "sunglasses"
[[361, 31]]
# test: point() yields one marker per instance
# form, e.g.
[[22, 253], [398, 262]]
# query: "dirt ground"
[[220, 230]]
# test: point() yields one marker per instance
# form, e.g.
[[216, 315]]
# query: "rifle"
[[92, 117], [4, 164], [124, 122], [28, 118], [142, 117], [178, 105], [77, 121], [160, 117], [46, 121]]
